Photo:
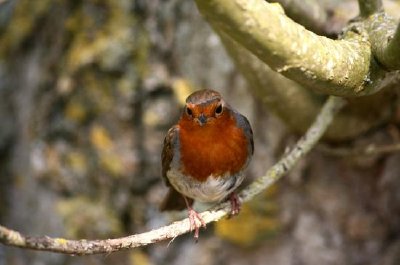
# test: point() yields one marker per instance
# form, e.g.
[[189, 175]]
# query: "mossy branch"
[[334, 67], [385, 44], [86, 247], [309, 13], [392, 50]]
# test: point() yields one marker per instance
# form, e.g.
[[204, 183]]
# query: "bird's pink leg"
[[235, 204], [195, 220]]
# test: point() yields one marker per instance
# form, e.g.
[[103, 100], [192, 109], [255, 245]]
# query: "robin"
[[204, 156]]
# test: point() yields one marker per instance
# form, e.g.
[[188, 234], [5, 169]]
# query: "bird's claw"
[[196, 222], [235, 204]]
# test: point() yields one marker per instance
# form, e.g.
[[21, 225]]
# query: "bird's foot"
[[235, 204], [195, 222]]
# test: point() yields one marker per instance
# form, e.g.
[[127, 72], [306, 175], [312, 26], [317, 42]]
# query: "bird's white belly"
[[212, 190]]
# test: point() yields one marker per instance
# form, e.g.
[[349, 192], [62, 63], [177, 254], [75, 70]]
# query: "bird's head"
[[204, 108]]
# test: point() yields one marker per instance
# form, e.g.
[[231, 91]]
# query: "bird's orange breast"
[[214, 149]]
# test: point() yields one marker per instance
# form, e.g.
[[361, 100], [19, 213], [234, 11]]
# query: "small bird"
[[204, 156]]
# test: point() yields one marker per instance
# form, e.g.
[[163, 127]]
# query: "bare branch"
[[86, 247], [334, 67], [273, 89], [385, 44], [369, 7], [309, 13], [392, 51]]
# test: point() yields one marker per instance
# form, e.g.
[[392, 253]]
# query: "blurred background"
[[88, 90]]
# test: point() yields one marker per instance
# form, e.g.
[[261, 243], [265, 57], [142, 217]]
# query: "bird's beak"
[[202, 119]]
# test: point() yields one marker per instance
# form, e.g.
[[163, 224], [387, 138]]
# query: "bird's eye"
[[189, 111], [219, 109]]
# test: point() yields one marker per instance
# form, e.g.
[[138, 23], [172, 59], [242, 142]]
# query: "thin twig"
[[313, 134], [86, 247]]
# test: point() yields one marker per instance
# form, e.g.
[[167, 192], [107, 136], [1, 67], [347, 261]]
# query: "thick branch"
[[392, 51], [385, 44], [309, 13], [272, 89], [335, 67], [369, 7], [86, 247]]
